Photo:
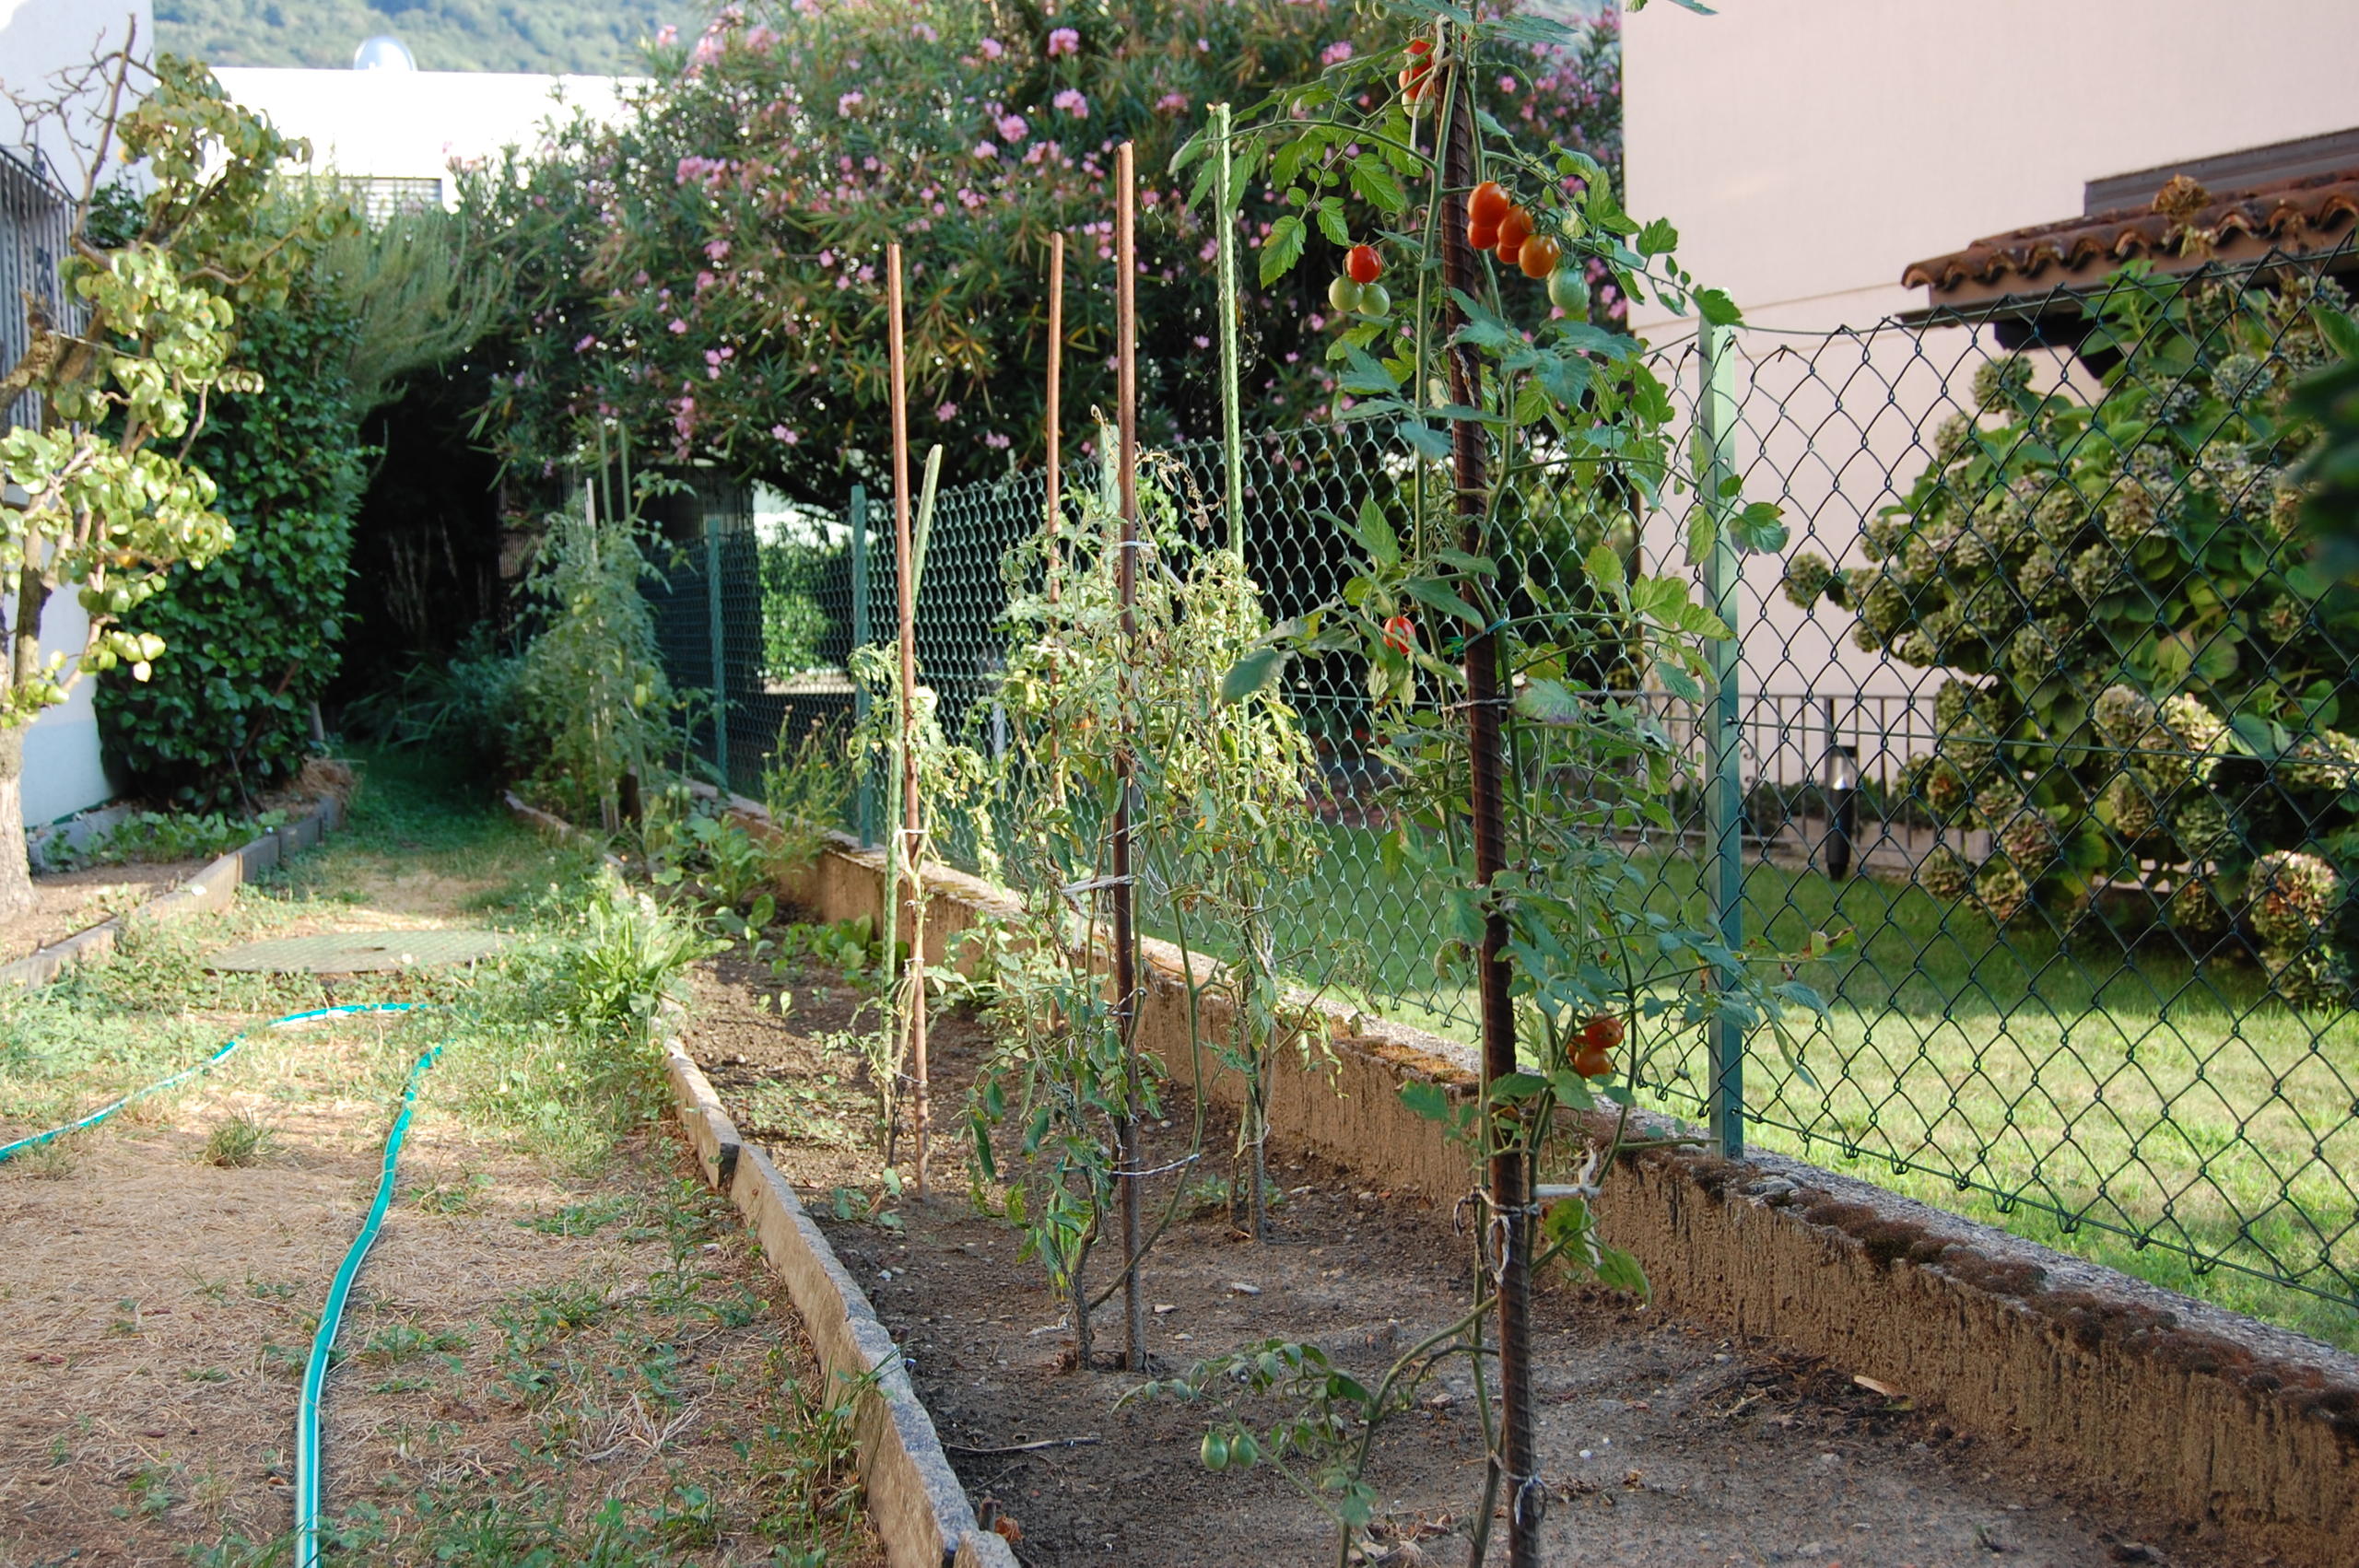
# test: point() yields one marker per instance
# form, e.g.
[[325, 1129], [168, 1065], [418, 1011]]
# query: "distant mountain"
[[596, 36]]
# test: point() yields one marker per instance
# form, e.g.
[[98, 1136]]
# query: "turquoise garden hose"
[[307, 1420], [307, 1415], [8, 1150]]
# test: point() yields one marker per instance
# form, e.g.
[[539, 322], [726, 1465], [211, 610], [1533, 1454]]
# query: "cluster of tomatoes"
[[1494, 223], [1497, 223], [1356, 288], [1592, 1055]]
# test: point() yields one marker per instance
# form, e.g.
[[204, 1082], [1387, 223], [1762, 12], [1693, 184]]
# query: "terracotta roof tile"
[[2297, 214]]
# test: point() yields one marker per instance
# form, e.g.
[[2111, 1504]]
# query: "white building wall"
[[63, 772], [1809, 152], [412, 125]]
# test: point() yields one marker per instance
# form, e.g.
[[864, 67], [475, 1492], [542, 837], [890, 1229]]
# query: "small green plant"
[[398, 1342], [806, 788], [238, 1140], [147, 837], [583, 1219], [594, 705]]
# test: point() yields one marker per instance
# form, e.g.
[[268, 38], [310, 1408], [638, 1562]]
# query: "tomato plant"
[[1532, 451]]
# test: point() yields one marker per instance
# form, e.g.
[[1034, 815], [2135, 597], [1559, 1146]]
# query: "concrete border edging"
[[214, 887], [914, 1497], [2216, 1419]]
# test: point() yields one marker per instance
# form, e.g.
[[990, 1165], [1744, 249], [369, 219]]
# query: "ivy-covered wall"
[[253, 638]]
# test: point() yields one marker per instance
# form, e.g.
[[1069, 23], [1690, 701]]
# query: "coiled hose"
[[307, 1417]]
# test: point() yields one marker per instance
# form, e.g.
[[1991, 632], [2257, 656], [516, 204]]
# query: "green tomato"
[[1215, 1452], [1375, 299], [1343, 293], [1568, 291]]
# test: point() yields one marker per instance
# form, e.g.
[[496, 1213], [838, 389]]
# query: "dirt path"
[[1663, 1442], [559, 1345]]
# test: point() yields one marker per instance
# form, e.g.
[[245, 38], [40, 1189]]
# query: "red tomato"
[[1487, 205], [1363, 265], [1592, 1064], [1401, 635], [1540, 255], [1514, 229], [1481, 235], [1603, 1032]]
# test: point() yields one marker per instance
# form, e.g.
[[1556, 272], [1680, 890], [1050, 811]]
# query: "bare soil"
[[66, 902], [1662, 1441], [155, 1311]]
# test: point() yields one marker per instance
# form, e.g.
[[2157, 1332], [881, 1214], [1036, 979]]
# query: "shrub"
[[253, 639], [2153, 685]]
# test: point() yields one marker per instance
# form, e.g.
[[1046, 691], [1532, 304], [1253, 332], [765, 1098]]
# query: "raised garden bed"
[[1663, 1440]]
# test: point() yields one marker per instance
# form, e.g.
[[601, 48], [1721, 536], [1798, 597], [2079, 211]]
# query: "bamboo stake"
[[1055, 411], [1232, 436], [906, 596], [1125, 762]]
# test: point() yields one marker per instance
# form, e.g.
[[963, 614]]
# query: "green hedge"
[[253, 638]]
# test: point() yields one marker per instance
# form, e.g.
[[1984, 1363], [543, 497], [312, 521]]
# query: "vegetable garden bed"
[[1662, 1440]]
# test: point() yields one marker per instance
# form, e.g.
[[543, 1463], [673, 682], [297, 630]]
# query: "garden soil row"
[[1662, 1440]]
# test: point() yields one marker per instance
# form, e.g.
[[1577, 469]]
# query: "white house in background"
[[38, 38], [395, 131], [1811, 155]]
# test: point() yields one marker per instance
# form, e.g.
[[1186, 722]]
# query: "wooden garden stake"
[[907, 847], [1126, 980], [1511, 1229]]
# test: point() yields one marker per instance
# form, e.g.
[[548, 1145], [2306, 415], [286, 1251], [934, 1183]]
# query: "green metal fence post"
[[720, 647], [866, 793], [1724, 788]]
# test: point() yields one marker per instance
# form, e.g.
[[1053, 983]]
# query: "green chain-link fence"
[[2042, 705]]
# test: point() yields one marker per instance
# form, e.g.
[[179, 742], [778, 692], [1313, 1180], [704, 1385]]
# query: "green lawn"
[[2068, 1093]]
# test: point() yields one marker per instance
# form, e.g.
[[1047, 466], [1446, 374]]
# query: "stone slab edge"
[[920, 1509], [554, 826], [2201, 1414], [214, 887]]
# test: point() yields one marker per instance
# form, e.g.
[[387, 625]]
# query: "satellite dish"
[[382, 53]]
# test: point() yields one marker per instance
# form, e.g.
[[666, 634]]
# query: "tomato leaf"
[[1257, 669], [1375, 185], [1283, 248]]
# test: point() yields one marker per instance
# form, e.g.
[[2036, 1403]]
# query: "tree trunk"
[[16, 872]]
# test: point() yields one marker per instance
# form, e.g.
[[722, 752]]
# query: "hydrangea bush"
[[2152, 690]]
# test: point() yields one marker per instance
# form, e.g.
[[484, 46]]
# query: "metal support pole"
[[866, 793], [720, 650], [1126, 981], [1724, 790]]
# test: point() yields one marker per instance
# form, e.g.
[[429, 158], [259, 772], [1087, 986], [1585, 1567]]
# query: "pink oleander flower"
[[1336, 53], [986, 150], [1072, 102], [1063, 40], [668, 34], [1172, 103], [946, 412], [996, 441], [991, 48], [850, 100], [785, 437], [716, 250], [1012, 128], [678, 328], [587, 344], [924, 32]]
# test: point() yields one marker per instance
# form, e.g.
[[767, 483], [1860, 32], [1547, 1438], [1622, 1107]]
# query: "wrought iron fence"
[[2042, 711], [36, 230]]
